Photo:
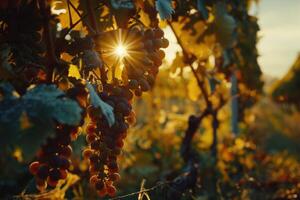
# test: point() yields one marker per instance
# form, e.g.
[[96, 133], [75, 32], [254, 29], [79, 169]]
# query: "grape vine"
[[106, 98], [72, 69]]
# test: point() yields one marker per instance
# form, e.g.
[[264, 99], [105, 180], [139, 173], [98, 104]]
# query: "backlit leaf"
[[193, 89]]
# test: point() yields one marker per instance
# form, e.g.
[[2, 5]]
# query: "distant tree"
[[287, 89]]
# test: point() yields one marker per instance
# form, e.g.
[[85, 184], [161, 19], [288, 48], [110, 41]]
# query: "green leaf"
[[40, 106], [106, 109], [10, 110], [164, 9], [49, 102]]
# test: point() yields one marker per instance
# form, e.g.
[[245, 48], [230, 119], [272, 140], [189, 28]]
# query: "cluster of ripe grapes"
[[104, 142], [142, 72], [54, 158]]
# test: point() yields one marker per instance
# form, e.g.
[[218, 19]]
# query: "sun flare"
[[121, 51]]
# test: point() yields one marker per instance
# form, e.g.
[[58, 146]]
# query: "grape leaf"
[[41, 104], [164, 9], [106, 109], [10, 110], [49, 102]]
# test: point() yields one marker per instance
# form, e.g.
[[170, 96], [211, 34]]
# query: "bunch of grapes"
[[54, 158], [143, 71], [105, 143]]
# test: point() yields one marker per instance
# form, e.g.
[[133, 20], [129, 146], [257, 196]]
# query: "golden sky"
[[279, 44]]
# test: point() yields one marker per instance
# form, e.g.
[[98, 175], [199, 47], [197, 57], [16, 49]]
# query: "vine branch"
[[141, 191], [80, 20], [69, 12], [92, 16], [52, 60]]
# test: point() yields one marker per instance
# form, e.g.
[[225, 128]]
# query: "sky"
[[279, 42]]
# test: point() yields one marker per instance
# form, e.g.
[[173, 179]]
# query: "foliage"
[[284, 90]]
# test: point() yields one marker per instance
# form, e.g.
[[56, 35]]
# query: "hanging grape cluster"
[[142, 76], [105, 142], [54, 158]]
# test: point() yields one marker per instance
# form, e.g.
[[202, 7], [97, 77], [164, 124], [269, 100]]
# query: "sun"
[[121, 51]]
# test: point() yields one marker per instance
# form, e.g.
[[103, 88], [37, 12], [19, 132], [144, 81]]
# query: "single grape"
[[99, 185], [34, 167], [94, 179], [66, 151], [63, 173], [87, 153], [91, 138], [133, 84], [52, 183], [148, 34], [102, 192], [111, 190], [165, 43], [114, 177], [158, 33], [54, 174], [91, 128]]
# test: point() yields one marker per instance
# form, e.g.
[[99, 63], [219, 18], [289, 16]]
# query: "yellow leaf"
[[60, 8], [145, 18], [74, 72], [190, 41], [193, 89]]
